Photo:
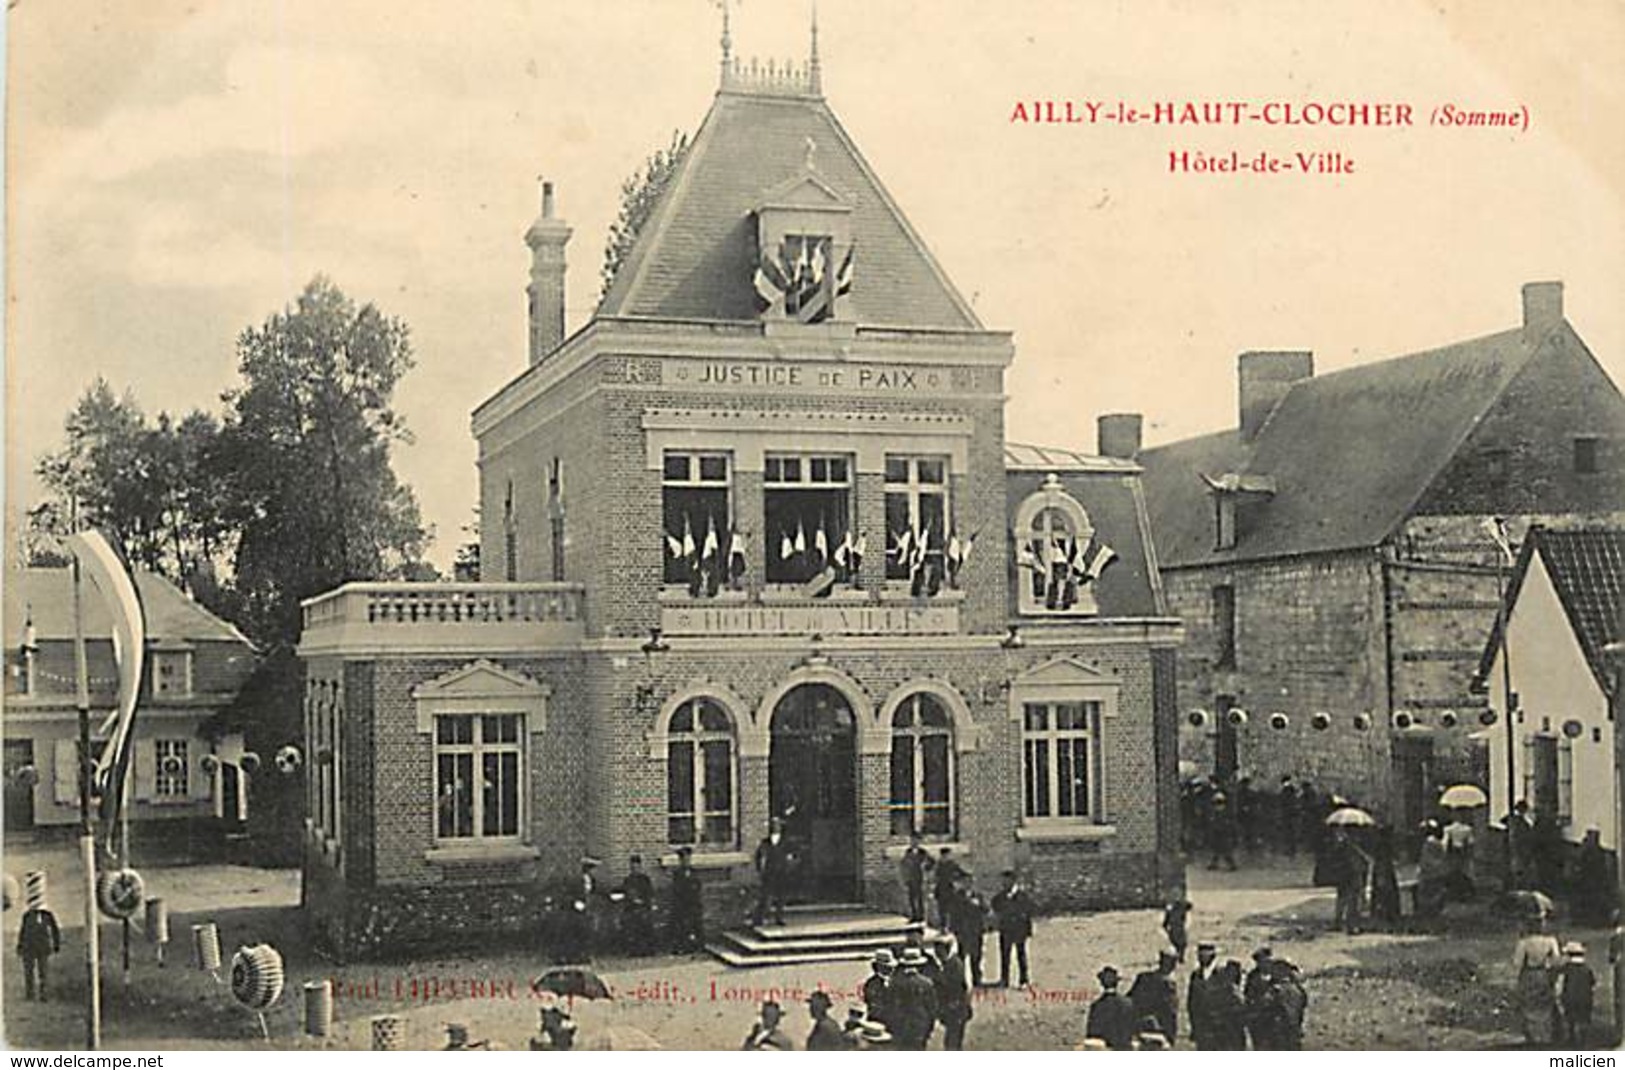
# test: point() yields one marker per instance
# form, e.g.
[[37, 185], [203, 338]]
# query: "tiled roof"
[[1350, 454], [1587, 568], [47, 594], [696, 255]]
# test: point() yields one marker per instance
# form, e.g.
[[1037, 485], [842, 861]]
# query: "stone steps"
[[816, 933]]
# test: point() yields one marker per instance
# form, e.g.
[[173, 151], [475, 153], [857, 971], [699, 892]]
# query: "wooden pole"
[[87, 839]]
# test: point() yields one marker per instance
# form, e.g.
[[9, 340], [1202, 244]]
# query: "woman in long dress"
[[1536, 959]]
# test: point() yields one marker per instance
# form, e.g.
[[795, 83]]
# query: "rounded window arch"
[[922, 767], [701, 800], [1052, 534]]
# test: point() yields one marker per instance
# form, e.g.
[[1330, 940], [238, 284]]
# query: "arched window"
[[921, 767], [1058, 557], [700, 775]]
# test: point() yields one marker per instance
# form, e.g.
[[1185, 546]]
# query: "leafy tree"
[[639, 194], [305, 455]]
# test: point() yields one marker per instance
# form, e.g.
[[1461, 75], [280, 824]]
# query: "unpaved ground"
[[1377, 990]]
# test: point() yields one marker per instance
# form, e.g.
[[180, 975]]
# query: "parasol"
[[575, 981], [1463, 797], [1531, 903], [1350, 817]]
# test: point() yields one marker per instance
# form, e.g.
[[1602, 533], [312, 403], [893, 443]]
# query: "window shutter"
[[1565, 781], [66, 759], [146, 768]]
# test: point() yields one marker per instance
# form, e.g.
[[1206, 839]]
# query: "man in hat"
[[1253, 992], [580, 913], [1111, 1015], [872, 1036], [1279, 1023], [1576, 988], [948, 873], [766, 1035], [877, 986], [825, 1035], [968, 922], [1155, 995], [1199, 1002], [912, 1002], [637, 906], [1286, 825], [915, 862], [1222, 831], [852, 1028], [1013, 910], [38, 938], [954, 1009], [773, 861], [687, 906]]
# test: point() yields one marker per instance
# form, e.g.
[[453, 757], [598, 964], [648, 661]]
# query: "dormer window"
[[171, 674], [804, 251], [1059, 555]]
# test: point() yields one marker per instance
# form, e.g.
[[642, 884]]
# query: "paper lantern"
[[34, 887], [1487, 718], [318, 1008], [1573, 729], [1321, 721], [171, 765], [27, 776], [210, 764], [1403, 719], [1279, 721], [388, 1033], [1449, 719], [119, 893], [256, 976], [249, 762], [288, 760], [1362, 721], [157, 920], [1236, 716], [1197, 718], [206, 946]]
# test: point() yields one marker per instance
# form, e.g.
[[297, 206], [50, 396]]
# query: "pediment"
[[481, 679], [1063, 671], [802, 193]]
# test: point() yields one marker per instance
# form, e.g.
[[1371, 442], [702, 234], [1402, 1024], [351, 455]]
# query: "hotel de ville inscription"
[[902, 618]]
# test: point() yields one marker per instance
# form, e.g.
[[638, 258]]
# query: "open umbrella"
[[1463, 797], [573, 981], [1350, 817]]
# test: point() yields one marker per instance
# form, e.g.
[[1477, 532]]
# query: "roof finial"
[[727, 41], [815, 80]]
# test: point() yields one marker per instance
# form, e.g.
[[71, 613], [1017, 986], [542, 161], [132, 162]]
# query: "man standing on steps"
[[687, 906], [916, 861], [948, 873], [773, 861], [1013, 909]]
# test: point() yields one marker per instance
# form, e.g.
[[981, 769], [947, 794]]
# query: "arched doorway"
[[813, 788]]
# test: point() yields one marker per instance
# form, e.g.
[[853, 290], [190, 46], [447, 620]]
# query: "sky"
[[178, 170]]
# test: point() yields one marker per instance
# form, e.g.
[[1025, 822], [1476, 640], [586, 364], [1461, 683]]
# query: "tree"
[[305, 457], [639, 195]]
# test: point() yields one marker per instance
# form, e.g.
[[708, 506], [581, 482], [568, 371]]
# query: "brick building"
[[1331, 553], [187, 774], [755, 545]]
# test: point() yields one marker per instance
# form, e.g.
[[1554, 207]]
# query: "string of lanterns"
[[1322, 720]]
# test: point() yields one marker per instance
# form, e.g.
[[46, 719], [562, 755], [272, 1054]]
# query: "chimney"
[[1542, 308], [546, 238], [1118, 434], [1263, 379]]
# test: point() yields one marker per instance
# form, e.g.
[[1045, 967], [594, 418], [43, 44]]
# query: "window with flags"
[[170, 772], [171, 673], [922, 549], [478, 776], [1061, 761], [922, 768], [695, 513], [1059, 556], [700, 775], [806, 510]]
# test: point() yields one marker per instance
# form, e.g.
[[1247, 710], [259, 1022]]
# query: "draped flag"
[[801, 280], [710, 563], [674, 544], [787, 548], [1100, 556], [821, 546], [737, 564], [843, 549], [1496, 526], [108, 571], [859, 548]]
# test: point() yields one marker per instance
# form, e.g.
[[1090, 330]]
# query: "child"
[[1174, 917], [1575, 986]]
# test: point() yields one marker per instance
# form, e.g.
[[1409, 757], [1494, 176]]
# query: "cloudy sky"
[[179, 169]]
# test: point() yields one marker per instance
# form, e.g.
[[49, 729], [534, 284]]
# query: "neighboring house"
[[729, 518], [1331, 554], [196, 663], [1565, 605]]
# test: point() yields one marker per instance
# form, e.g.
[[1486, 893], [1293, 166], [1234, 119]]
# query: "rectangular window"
[[555, 511], [1585, 455], [487, 807], [807, 509], [171, 674], [695, 512], [170, 777], [1224, 626], [916, 508], [1061, 766], [1565, 781]]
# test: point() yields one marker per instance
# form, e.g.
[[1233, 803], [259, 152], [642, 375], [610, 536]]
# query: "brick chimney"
[[1118, 434], [1262, 380], [546, 238], [1542, 308]]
